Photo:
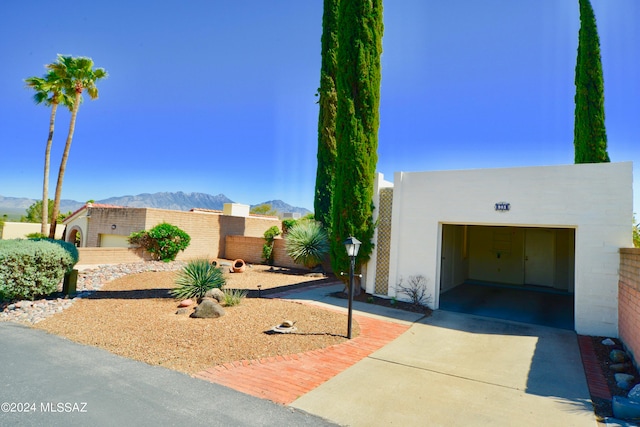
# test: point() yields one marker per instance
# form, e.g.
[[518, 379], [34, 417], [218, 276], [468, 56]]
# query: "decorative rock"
[[608, 341], [634, 394], [620, 367], [89, 281], [314, 275], [618, 356], [624, 381], [208, 308], [623, 377], [625, 409], [215, 294], [185, 303], [181, 311]]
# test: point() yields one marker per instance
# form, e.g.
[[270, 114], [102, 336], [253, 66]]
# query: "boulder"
[[208, 309], [618, 356], [215, 294], [625, 409], [634, 394], [624, 381], [620, 367]]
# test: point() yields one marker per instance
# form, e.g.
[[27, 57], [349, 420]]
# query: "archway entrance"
[[75, 237]]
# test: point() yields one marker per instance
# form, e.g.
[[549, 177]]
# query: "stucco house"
[[556, 227], [108, 226]]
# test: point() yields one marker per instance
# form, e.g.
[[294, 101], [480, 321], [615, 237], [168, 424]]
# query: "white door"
[[539, 257]]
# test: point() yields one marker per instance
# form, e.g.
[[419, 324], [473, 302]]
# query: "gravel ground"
[[134, 316]]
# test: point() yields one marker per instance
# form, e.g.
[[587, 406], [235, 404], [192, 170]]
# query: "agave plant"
[[196, 278], [307, 243]]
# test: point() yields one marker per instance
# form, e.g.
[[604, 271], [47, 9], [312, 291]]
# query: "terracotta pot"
[[238, 266]]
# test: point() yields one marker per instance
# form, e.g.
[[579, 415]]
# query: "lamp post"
[[353, 246]]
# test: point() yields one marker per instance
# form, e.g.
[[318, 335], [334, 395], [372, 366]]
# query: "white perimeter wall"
[[595, 199]]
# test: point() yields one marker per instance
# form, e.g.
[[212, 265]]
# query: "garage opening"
[[525, 274]]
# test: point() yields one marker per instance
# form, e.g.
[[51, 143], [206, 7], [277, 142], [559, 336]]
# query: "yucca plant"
[[234, 297], [196, 278], [307, 243]]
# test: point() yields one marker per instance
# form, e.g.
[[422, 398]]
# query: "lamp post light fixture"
[[353, 246]]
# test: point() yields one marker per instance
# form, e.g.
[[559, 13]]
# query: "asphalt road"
[[46, 380]]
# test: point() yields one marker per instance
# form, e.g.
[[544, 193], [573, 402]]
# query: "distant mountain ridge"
[[19, 205], [176, 201], [164, 200]]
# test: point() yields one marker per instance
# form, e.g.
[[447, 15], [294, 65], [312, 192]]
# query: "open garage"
[[517, 273]]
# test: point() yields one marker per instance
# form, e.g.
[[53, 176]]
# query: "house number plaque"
[[502, 206]]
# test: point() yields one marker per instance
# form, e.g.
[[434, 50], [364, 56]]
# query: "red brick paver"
[[598, 387], [282, 379]]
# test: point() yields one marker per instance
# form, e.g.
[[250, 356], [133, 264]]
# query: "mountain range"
[[164, 200]]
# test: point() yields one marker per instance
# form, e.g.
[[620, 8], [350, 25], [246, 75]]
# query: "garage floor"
[[541, 306]]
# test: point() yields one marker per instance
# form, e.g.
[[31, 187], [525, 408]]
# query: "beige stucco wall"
[[110, 227], [249, 249]]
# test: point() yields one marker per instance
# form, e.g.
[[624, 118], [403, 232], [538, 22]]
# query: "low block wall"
[[249, 249], [629, 300], [95, 256]]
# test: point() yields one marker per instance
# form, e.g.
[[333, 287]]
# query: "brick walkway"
[[282, 379], [598, 387]]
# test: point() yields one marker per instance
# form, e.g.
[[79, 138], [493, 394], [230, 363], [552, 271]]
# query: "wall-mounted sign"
[[503, 206]]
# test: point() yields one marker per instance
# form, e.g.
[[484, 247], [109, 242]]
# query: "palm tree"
[[78, 75], [49, 91]]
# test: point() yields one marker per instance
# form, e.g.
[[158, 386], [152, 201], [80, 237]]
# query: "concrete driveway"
[[457, 369]]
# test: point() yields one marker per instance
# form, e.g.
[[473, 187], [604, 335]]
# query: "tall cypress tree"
[[590, 135], [328, 101], [358, 86]]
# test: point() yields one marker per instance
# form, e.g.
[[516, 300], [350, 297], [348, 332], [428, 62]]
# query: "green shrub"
[[32, 268], [267, 248], [71, 249], [234, 297], [196, 278], [287, 224], [163, 241], [307, 243]]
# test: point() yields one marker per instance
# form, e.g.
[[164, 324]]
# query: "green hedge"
[[32, 268]]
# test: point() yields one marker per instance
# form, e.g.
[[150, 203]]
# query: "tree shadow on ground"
[[155, 293]]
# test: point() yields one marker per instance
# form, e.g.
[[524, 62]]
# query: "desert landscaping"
[[135, 316]]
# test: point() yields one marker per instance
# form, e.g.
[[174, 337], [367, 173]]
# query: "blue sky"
[[218, 96]]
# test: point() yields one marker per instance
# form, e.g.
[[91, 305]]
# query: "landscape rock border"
[[89, 281]]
